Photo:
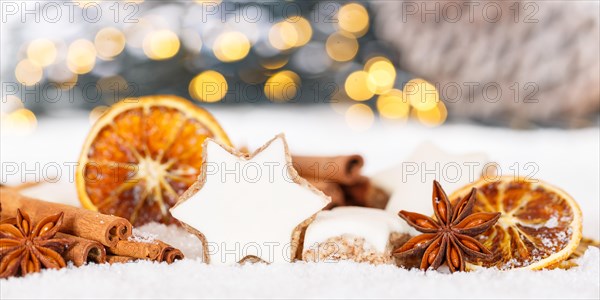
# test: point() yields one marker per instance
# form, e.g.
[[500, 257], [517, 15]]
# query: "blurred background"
[[519, 64]]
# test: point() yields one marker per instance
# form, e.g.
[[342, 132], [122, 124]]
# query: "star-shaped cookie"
[[248, 206]]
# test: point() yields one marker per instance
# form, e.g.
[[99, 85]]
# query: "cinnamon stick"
[[117, 259], [357, 193], [332, 190], [91, 225], [377, 197], [170, 254], [155, 250], [364, 193], [344, 169], [82, 251]]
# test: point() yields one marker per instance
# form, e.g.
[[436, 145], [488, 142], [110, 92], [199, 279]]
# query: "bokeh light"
[[303, 30], [283, 36], [359, 87], [341, 46], [433, 117], [114, 88], [69, 83], [340, 106], [21, 122], [231, 46], [96, 112], [353, 18], [161, 44], [208, 86], [290, 33], [109, 42], [81, 56], [282, 86], [422, 95], [392, 105], [382, 73], [359, 117], [10, 103], [28, 73], [41, 52], [274, 63]]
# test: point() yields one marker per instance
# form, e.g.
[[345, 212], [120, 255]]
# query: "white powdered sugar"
[[142, 237], [549, 243], [175, 236], [552, 222]]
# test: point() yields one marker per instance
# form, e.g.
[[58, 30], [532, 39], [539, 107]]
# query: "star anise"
[[448, 238], [26, 249]]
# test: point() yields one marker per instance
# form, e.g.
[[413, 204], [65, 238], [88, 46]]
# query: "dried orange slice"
[[142, 154], [540, 225]]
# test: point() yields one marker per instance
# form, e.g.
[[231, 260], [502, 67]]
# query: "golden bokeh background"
[[286, 62]]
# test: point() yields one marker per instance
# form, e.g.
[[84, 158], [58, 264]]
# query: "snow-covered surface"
[[568, 159], [194, 279]]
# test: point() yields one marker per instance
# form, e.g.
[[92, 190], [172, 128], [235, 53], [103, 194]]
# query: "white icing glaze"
[[248, 207], [374, 225]]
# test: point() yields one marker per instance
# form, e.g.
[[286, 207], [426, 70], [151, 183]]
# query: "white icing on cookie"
[[374, 225], [249, 207]]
